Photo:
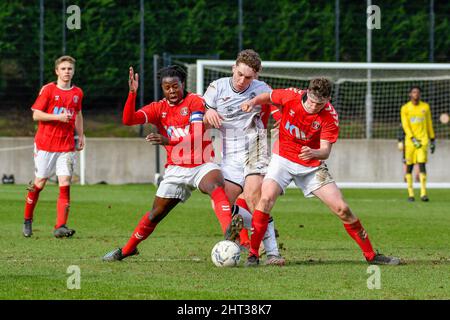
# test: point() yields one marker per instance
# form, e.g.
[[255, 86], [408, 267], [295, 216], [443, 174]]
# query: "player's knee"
[[40, 182], [266, 203], [422, 167], [252, 200], [210, 186], [343, 211], [155, 215], [409, 168]]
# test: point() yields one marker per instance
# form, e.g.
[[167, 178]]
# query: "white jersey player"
[[244, 141]]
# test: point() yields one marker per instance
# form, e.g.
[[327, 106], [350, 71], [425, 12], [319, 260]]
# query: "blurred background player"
[[179, 118], [309, 127], [419, 133], [244, 140], [58, 111], [401, 148]]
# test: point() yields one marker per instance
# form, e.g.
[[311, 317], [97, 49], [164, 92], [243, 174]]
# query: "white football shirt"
[[236, 124]]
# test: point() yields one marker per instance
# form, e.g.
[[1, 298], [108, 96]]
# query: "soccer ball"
[[226, 254]]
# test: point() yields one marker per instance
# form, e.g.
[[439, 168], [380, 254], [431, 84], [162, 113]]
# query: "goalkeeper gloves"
[[433, 145], [416, 143], [400, 145]]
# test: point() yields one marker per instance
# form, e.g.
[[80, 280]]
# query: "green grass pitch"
[[323, 261]]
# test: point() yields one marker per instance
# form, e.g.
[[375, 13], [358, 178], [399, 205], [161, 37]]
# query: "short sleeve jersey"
[[299, 128], [222, 97], [57, 136], [174, 121]]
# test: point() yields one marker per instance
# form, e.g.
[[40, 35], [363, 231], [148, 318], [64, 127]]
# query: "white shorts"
[[253, 159], [46, 162], [308, 179], [179, 182]]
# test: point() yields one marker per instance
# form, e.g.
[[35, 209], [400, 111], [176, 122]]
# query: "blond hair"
[[64, 59]]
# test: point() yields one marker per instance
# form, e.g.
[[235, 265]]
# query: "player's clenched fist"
[[133, 80], [247, 106], [307, 153], [64, 116]]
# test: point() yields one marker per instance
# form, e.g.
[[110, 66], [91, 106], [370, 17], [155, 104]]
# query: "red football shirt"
[[266, 111], [181, 123], [299, 128], [57, 136]]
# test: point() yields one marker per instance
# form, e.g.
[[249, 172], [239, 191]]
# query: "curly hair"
[[172, 71], [251, 58], [320, 87]]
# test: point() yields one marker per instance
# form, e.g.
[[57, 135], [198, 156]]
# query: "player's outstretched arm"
[[133, 81], [130, 117], [263, 98]]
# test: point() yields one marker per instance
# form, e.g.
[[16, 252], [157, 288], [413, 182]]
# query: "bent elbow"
[[127, 121]]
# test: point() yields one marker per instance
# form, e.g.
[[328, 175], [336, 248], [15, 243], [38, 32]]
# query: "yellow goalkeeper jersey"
[[416, 121]]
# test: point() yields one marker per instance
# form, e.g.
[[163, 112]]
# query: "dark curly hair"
[[321, 87], [172, 71]]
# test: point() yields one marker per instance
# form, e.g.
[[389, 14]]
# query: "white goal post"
[[368, 98]]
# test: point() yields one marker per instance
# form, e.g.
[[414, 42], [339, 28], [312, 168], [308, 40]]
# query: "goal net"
[[368, 97]]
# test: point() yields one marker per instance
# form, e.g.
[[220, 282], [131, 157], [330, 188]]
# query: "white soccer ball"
[[226, 254]]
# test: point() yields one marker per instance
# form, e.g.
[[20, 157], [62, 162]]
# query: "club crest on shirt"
[[184, 111], [315, 125], [252, 95], [163, 115], [291, 113], [56, 98], [75, 99]]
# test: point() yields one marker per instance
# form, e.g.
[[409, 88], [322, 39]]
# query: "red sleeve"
[[330, 130], [283, 96], [43, 99], [147, 114], [275, 112]]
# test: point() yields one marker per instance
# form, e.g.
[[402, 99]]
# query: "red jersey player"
[[179, 118], [267, 110], [58, 110], [309, 127]]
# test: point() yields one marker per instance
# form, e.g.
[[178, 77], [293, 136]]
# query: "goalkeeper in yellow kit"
[[419, 134]]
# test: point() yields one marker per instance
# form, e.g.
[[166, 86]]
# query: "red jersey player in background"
[[58, 110], [179, 119], [309, 127]]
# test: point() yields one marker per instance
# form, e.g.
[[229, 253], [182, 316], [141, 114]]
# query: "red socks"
[[260, 222], [222, 207], [32, 199], [243, 235], [144, 228], [357, 232], [62, 206]]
